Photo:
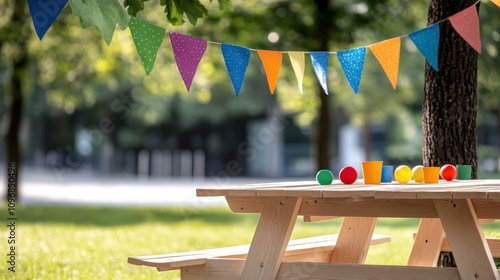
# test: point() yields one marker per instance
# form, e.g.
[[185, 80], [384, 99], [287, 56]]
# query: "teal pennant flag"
[[320, 62], [236, 59], [352, 62], [427, 42]]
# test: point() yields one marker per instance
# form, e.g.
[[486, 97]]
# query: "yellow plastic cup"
[[372, 171], [431, 174]]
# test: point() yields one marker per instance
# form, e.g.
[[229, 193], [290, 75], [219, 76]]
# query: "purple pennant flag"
[[427, 42], [236, 59], [188, 52], [352, 62], [44, 13], [320, 64]]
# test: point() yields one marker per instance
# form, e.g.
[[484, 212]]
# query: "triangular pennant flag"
[[466, 23], [188, 52], [320, 62], [387, 53], [298, 65], [147, 38], [352, 62], [236, 59], [272, 64], [44, 13], [496, 2], [427, 42]]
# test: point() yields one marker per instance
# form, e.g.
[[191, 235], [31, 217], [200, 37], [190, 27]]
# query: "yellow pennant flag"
[[298, 64], [272, 64], [497, 2], [387, 53]]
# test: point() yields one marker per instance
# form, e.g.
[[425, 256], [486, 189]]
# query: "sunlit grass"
[[94, 243]]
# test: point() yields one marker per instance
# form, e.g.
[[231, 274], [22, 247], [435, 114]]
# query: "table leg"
[[271, 238], [466, 238], [428, 243], [354, 240]]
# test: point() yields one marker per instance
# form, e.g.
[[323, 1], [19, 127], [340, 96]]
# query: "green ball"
[[324, 177]]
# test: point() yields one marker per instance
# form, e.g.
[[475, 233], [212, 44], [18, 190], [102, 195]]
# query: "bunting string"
[[188, 51]]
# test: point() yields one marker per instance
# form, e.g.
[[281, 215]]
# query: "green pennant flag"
[[147, 38]]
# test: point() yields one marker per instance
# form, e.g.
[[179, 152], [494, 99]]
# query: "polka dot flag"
[[387, 53], [188, 52], [427, 42], [352, 62], [236, 59], [466, 23], [147, 38]]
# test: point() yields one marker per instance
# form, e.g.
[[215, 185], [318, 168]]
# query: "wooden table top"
[[467, 189]]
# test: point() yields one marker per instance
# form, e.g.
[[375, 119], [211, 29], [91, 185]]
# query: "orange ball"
[[448, 172]]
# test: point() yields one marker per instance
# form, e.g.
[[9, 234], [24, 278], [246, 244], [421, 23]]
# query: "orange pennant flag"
[[272, 64], [387, 53], [497, 2]]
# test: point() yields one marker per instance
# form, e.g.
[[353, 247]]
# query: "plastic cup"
[[387, 171], [464, 171], [372, 171], [431, 175]]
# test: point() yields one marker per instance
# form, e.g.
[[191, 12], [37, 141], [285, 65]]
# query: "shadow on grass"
[[119, 216]]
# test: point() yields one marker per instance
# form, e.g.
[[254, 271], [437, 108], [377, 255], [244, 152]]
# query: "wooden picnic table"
[[450, 213]]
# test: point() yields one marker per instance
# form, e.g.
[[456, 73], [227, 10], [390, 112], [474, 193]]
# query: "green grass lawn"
[[94, 242]]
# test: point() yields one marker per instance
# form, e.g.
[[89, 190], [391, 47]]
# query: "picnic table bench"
[[450, 212]]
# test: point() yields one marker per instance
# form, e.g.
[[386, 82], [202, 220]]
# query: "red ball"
[[348, 175], [448, 172]]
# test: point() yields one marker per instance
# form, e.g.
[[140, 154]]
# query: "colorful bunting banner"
[[147, 39], [427, 42], [298, 65], [320, 62], [466, 23], [44, 13], [387, 53], [188, 52], [272, 64], [352, 62], [236, 59]]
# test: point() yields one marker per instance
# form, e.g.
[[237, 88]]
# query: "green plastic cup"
[[464, 171]]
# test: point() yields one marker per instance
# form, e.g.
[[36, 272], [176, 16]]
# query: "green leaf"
[[176, 10], [225, 5], [103, 14], [134, 6]]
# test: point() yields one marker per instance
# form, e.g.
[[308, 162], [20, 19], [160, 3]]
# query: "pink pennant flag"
[[188, 52], [466, 23]]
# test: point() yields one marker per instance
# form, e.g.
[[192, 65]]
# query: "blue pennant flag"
[[427, 42], [320, 62], [236, 59], [352, 62], [44, 13]]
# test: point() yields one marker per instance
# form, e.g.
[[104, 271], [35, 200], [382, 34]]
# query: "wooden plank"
[[230, 269], [310, 219], [427, 244], [245, 204], [468, 244], [493, 244], [271, 238], [354, 240]]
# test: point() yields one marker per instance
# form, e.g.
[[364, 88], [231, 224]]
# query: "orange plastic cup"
[[431, 174], [372, 171]]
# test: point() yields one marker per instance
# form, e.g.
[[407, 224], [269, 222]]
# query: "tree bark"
[[322, 129], [450, 95], [449, 106], [14, 115]]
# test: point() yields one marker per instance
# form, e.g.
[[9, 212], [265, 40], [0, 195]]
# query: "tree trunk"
[[322, 129], [450, 99], [450, 95], [14, 116]]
